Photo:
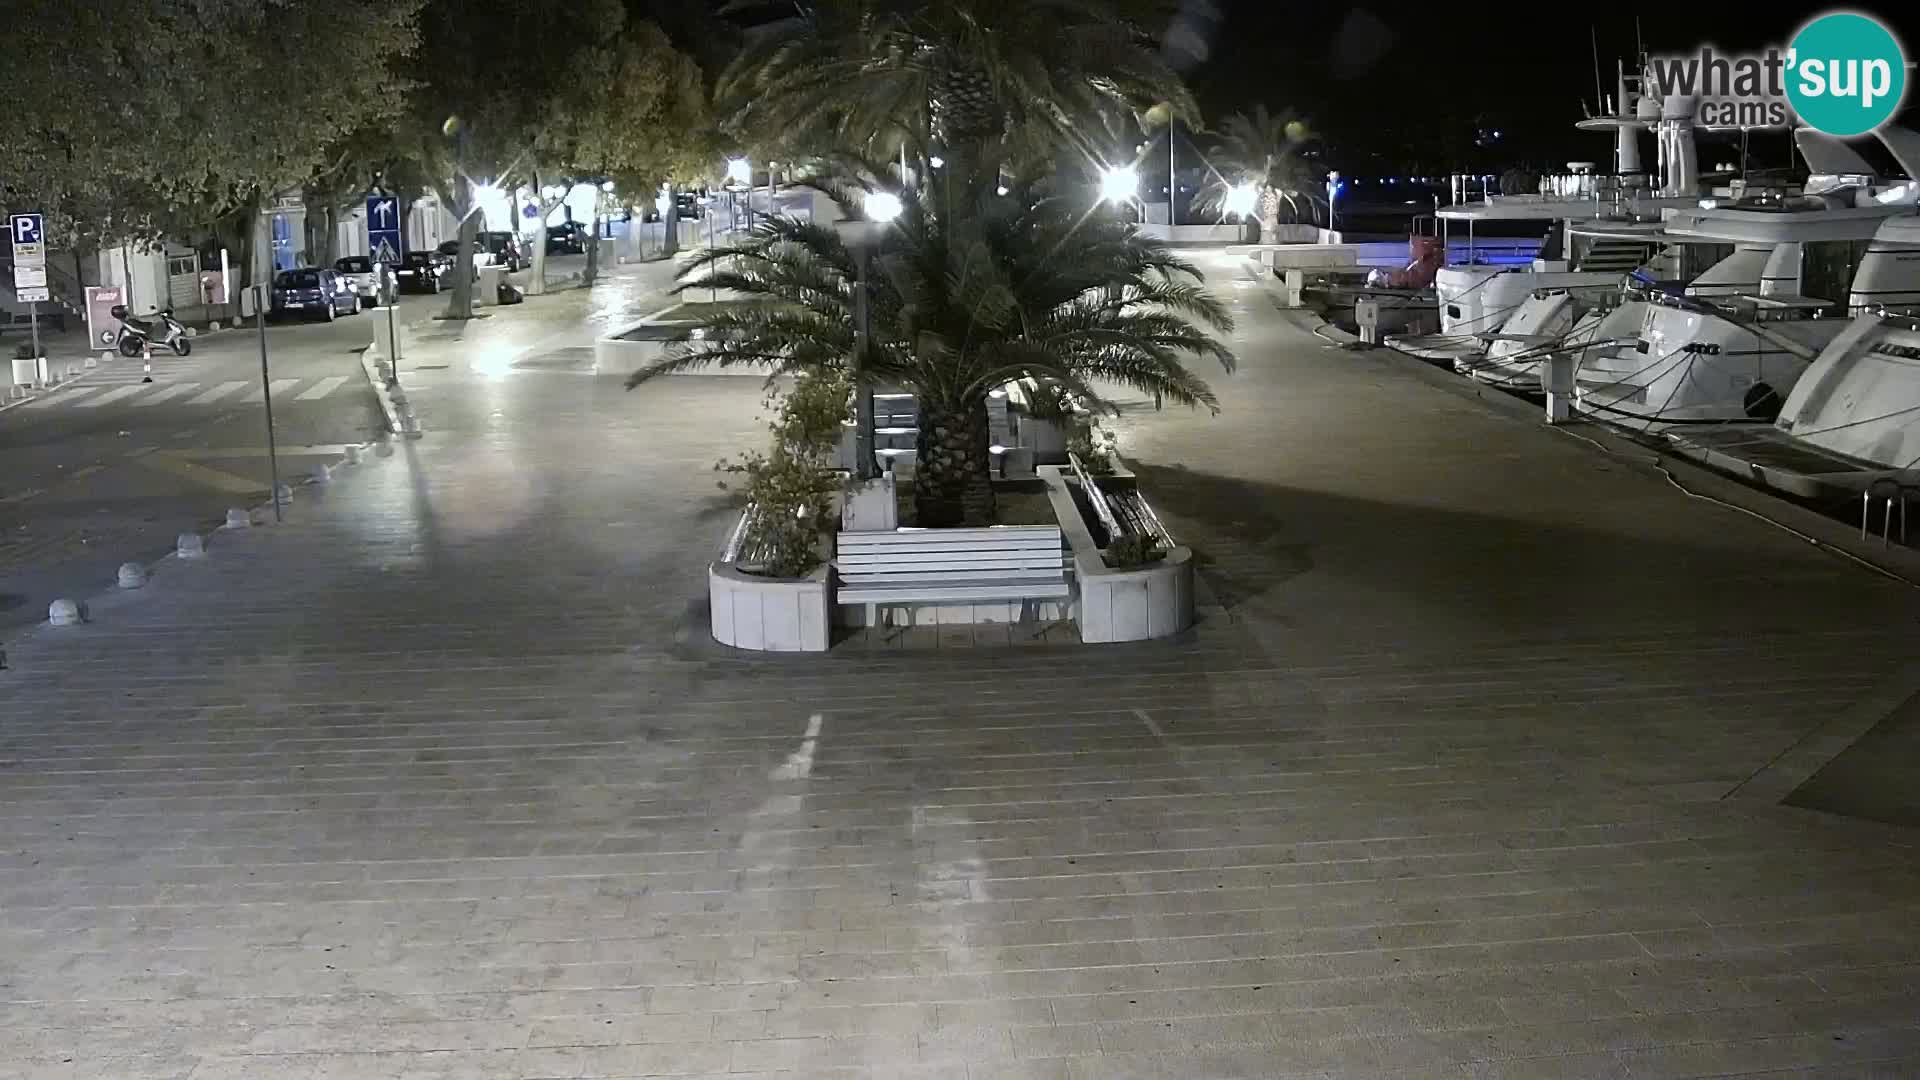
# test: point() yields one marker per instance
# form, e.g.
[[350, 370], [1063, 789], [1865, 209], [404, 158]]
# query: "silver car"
[[363, 275]]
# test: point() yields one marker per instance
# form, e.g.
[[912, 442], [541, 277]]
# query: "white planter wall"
[[1111, 605], [768, 614], [1152, 601]]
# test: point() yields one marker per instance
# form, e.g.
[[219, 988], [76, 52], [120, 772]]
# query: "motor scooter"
[[159, 328]]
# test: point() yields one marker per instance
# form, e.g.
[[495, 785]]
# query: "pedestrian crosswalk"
[[109, 393]]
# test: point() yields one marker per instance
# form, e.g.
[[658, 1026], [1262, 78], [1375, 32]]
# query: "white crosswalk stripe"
[[322, 388], [279, 388], [218, 392], [128, 392], [113, 395], [165, 393], [62, 398]]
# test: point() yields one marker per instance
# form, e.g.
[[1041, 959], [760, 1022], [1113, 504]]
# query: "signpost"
[[28, 232], [386, 244]]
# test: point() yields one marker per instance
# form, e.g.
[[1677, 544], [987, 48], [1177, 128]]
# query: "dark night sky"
[[1394, 78]]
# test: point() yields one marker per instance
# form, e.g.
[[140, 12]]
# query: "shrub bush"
[[791, 487], [1133, 550]]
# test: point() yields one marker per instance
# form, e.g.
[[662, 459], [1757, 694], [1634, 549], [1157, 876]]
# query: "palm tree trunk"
[[1269, 216], [952, 473]]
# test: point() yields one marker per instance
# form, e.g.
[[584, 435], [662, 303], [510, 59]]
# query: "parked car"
[[424, 271], [310, 290], [567, 238], [692, 206], [450, 250], [506, 249], [363, 275]]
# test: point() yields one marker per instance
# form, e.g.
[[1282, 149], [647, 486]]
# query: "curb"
[[398, 422]]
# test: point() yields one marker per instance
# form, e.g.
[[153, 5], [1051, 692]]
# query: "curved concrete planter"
[[1151, 601], [1135, 604], [617, 352], [769, 614]]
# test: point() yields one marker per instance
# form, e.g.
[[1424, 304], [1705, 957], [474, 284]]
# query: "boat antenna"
[[1599, 98], [1639, 43]]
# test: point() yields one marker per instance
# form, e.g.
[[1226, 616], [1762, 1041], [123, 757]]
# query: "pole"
[[713, 292], [1173, 173], [862, 396], [393, 342], [33, 320], [266, 395]]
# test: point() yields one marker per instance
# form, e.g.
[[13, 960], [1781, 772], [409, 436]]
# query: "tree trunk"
[[537, 280], [461, 306], [670, 222], [952, 483], [1269, 216], [593, 247]]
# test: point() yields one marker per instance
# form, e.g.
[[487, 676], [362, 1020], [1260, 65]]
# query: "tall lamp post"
[[864, 237]]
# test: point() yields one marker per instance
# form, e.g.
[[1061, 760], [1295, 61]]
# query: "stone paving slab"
[[440, 779]]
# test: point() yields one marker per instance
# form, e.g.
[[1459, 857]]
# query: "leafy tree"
[[1026, 285], [1263, 149], [959, 76], [133, 118], [636, 114]]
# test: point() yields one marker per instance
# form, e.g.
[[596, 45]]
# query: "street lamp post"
[[863, 236]]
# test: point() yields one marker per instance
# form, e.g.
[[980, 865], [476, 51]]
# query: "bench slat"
[[958, 558], [959, 590], [950, 575]]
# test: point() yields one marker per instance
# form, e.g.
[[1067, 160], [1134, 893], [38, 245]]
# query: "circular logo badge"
[[1847, 74]]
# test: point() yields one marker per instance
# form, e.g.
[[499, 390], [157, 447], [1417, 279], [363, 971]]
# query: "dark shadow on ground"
[[1873, 778]]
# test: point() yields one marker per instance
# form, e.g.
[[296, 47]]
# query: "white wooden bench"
[[925, 566]]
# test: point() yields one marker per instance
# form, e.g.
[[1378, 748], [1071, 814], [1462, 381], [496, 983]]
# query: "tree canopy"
[[132, 117]]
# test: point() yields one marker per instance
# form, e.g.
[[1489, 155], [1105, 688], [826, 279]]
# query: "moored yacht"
[[1716, 355], [1853, 416]]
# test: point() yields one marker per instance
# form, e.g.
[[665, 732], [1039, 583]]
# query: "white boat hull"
[[1691, 365]]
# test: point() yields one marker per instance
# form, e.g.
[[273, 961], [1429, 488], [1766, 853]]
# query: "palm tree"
[[1025, 285], [1263, 149], [952, 76]]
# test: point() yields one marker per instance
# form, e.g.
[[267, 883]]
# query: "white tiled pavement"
[[441, 780]]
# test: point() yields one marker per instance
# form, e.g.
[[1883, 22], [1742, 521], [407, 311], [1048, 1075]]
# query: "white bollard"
[[322, 474], [132, 575], [238, 518], [353, 455], [190, 546], [283, 495], [66, 613]]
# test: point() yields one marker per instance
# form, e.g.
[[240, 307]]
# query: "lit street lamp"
[[1241, 199], [1119, 184]]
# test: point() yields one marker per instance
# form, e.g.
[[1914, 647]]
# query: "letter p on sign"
[[26, 228]]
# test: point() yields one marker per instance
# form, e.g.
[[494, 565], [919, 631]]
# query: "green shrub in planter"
[[1094, 446], [791, 487], [1133, 550]]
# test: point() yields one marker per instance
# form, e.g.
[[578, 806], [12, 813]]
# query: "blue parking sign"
[[26, 228]]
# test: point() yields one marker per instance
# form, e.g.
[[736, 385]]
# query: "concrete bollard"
[[132, 575], [65, 612], [190, 546], [238, 518], [322, 474], [283, 495], [353, 455]]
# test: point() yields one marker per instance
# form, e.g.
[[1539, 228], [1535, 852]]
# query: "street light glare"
[[739, 171], [882, 206], [1241, 199], [936, 161], [1119, 184]]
